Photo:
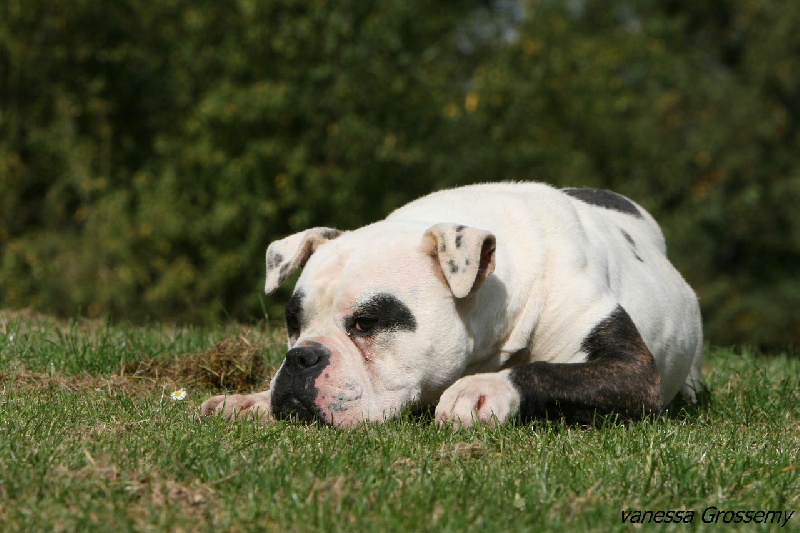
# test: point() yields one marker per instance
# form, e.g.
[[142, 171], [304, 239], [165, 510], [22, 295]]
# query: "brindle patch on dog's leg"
[[620, 376]]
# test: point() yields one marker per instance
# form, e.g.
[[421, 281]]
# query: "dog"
[[491, 301]]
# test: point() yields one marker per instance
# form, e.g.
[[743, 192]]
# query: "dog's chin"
[[345, 406], [294, 408], [345, 422], [355, 417]]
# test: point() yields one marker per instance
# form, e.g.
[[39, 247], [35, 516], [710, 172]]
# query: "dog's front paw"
[[257, 406], [478, 399]]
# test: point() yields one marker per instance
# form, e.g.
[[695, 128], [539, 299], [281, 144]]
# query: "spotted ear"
[[287, 255], [465, 255]]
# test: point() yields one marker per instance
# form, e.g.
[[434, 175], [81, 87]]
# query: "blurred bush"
[[149, 151]]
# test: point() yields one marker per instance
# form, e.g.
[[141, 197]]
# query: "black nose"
[[294, 393], [304, 357]]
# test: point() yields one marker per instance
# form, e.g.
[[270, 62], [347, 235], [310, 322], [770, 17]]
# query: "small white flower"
[[11, 338], [178, 395]]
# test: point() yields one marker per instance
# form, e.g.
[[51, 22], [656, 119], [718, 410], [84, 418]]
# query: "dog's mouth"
[[292, 407]]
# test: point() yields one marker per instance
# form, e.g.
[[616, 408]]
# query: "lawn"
[[91, 440]]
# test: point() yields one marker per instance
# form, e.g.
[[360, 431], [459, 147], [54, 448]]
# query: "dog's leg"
[[256, 405], [619, 376], [693, 388]]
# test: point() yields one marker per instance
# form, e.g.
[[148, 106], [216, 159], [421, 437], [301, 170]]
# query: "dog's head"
[[379, 318]]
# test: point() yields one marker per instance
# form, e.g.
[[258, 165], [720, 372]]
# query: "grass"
[[90, 441]]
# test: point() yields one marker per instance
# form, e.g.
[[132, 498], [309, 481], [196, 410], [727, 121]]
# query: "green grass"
[[82, 449]]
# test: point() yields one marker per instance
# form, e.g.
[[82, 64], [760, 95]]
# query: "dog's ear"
[[287, 255], [465, 255]]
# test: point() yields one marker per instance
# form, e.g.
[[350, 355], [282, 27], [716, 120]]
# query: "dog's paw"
[[256, 406], [478, 399]]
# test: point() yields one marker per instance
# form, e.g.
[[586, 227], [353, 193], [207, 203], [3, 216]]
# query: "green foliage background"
[[149, 151]]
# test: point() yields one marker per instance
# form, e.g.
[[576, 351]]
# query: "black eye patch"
[[294, 313], [380, 313]]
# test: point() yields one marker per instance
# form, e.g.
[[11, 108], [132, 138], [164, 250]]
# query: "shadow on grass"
[[682, 409], [678, 409]]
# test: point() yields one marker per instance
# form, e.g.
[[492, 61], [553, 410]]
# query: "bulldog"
[[491, 302]]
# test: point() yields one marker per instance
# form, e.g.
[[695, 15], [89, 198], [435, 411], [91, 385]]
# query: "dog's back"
[[611, 239]]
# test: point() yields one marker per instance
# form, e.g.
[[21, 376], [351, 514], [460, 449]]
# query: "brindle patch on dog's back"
[[606, 199]]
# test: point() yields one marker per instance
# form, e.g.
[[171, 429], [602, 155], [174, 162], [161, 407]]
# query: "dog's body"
[[488, 301]]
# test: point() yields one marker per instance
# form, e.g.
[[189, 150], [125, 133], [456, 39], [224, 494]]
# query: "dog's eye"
[[363, 324]]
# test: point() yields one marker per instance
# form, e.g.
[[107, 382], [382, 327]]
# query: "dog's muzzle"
[[294, 393]]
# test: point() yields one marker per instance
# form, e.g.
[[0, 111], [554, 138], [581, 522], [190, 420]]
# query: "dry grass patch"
[[144, 491], [126, 360], [236, 364]]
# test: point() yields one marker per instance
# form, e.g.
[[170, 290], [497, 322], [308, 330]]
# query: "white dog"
[[489, 301]]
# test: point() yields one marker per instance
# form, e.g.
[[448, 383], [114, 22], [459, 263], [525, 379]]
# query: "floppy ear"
[[287, 255], [465, 255]]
